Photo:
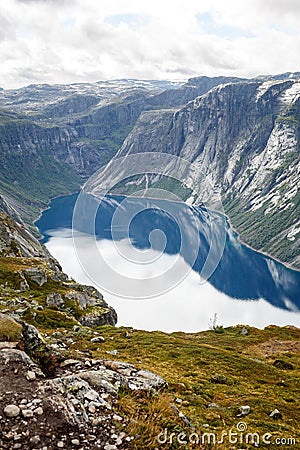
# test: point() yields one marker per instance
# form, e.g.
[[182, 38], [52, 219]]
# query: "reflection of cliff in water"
[[241, 272]]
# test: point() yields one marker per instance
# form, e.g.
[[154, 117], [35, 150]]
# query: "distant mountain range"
[[243, 133]]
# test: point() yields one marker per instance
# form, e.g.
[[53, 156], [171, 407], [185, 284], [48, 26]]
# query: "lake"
[[164, 265]]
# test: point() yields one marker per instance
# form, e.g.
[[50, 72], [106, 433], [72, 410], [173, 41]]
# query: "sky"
[[67, 41]]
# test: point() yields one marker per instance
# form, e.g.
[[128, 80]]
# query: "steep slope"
[[33, 286], [245, 137], [52, 137]]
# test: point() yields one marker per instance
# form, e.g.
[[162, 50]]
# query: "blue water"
[[207, 245]]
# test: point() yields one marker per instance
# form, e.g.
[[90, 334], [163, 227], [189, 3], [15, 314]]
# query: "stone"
[[110, 447], [27, 413], [36, 275], [60, 444], [212, 405], [55, 299], [76, 328], [69, 362], [275, 414], [244, 331], [35, 440], [11, 411], [24, 286], [97, 339], [244, 410], [112, 352], [39, 411], [30, 375], [92, 408], [75, 442]]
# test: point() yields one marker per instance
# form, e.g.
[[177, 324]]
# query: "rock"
[[110, 447], [30, 376], [24, 286], [105, 316], [39, 411], [97, 339], [92, 408], [27, 413], [55, 299], [75, 442], [11, 411], [148, 381], [112, 352], [33, 340], [8, 345], [76, 328], [69, 362], [37, 275], [284, 365], [35, 440], [60, 444], [212, 405], [244, 331], [244, 410], [275, 414]]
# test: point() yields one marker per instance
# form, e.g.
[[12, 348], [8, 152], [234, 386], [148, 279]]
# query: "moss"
[[50, 318], [10, 330]]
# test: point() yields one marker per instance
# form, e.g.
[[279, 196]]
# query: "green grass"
[[228, 369]]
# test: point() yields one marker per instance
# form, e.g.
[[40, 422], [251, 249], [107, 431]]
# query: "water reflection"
[[241, 273]]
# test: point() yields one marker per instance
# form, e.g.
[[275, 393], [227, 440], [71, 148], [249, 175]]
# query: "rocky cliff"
[[245, 137], [33, 286]]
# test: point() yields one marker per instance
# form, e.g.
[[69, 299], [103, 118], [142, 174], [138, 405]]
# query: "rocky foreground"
[[74, 408]]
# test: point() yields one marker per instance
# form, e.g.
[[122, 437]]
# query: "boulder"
[[36, 275]]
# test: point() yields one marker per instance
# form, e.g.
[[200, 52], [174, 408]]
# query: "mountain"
[[244, 137], [243, 134], [53, 137]]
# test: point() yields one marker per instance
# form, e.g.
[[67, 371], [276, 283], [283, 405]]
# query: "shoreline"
[[268, 255]]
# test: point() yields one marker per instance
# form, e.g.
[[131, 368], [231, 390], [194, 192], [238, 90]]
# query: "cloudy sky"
[[62, 41]]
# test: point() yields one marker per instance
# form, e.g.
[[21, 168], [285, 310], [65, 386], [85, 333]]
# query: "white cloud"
[[47, 41]]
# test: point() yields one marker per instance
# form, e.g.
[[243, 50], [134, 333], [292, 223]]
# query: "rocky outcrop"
[[34, 285], [76, 408]]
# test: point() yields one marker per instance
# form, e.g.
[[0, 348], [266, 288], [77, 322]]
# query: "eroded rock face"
[[97, 319], [36, 275]]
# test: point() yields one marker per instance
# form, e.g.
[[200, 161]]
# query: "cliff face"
[[245, 137], [33, 286]]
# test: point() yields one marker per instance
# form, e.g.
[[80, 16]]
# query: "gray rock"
[[55, 299], [212, 405], [244, 331], [97, 339], [105, 316], [24, 286], [30, 375], [244, 410], [27, 413], [35, 440], [37, 275], [11, 411]]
